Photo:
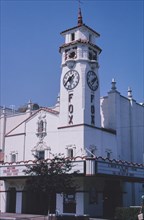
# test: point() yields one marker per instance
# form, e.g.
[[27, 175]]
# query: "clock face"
[[71, 79], [92, 80]]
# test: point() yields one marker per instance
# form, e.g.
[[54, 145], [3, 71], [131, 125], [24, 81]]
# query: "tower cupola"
[[80, 90]]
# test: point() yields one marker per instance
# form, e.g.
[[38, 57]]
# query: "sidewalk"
[[16, 216]]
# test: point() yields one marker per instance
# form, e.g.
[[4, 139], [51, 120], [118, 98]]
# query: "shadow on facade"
[[112, 198], [37, 203]]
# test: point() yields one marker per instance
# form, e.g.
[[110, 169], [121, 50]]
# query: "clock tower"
[[79, 86]]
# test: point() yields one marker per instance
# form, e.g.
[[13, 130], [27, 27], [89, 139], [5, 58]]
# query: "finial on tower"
[[129, 93], [113, 83], [80, 21]]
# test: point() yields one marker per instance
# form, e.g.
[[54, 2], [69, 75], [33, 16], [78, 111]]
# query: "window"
[[70, 197], [13, 158], [72, 36], [90, 37], [70, 152], [40, 126], [108, 153], [41, 154], [69, 203], [92, 54]]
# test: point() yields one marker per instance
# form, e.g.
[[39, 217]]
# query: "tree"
[[51, 176]]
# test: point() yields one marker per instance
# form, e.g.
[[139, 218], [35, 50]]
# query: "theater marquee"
[[85, 166], [119, 169]]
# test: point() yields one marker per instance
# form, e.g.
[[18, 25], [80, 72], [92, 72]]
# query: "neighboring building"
[[103, 135]]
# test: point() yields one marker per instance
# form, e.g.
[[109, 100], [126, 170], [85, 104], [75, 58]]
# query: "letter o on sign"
[[71, 109]]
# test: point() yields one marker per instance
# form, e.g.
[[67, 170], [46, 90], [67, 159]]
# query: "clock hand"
[[69, 79], [93, 81]]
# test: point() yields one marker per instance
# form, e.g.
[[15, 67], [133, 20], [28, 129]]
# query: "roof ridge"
[[42, 108]]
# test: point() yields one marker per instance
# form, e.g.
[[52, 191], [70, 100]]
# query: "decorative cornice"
[[80, 158], [109, 130], [81, 42]]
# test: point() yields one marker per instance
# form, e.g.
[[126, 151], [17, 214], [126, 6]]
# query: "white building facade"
[[103, 135]]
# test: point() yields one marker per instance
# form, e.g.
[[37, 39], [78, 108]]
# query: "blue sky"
[[30, 41]]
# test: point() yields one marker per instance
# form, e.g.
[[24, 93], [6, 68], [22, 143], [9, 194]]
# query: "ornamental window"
[[72, 36], [41, 127], [92, 54], [13, 157], [40, 154], [108, 153], [41, 150], [71, 53], [90, 38], [70, 152]]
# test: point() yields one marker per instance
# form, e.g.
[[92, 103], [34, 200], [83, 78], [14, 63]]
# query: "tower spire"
[[80, 21]]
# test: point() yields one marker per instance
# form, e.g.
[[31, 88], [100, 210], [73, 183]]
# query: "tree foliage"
[[54, 176]]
